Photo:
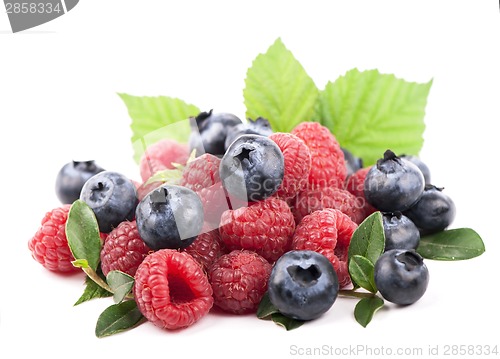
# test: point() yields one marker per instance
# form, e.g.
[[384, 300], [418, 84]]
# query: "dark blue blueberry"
[[434, 211], [352, 162], [209, 131], [252, 168], [303, 284], [169, 217], [401, 276], [400, 232], [72, 177], [260, 126], [112, 197], [421, 165], [393, 184]]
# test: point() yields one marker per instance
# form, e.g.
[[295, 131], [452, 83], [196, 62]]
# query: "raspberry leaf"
[[278, 88], [157, 118], [369, 112], [368, 240], [366, 308], [82, 232], [266, 308], [121, 284], [117, 318], [92, 290], [362, 273], [451, 245]]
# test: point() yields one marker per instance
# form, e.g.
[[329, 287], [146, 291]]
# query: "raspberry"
[[206, 248], [171, 289], [355, 184], [311, 200], [239, 281], [49, 246], [145, 188], [328, 232], [327, 159], [123, 249], [297, 163], [265, 227], [201, 173], [160, 155], [214, 203]]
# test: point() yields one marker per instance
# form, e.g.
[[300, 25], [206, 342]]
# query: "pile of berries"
[[254, 212]]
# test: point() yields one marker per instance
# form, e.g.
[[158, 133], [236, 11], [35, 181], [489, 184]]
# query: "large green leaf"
[[278, 88], [451, 245], [369, 112], [156, 118]]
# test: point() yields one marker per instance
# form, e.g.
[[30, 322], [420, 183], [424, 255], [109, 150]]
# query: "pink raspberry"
[[160, 156], [239, 281], [206, 248], [355, 184], [328, 232], [49, 246], [171, 289], [201, 173], [123, 249]]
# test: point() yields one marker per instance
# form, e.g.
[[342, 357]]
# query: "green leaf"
[[82, 232], [80, 263], [156, 118], [451, 245], [370, 112], [92, 290], [266, 308], [121, 284], [368, 240], [278, 89], [286, 322], [170, 176], [366, 308], [117, 318], [362, 272]]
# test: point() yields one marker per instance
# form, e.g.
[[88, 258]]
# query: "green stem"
[[100, 282], [353, 294]]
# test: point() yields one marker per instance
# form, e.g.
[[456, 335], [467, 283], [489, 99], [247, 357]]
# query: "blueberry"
[[401, 276], [421, 165], [209, 131], [352, 162], [433, 212], [400, 232], [252, 168], [260, 126], [393, 184], [71, 178], [112, 197], [169, 217], [303, 284]]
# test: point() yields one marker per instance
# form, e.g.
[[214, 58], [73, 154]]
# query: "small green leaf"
[[286, 322], [266, 308], [362, 271], [370, 112], [366, 308], [92, 290], [278, 88], [121, 284], [82, 232], [451, 245], [368, 240], [170, 176], [80, 263], [117, 318], [156, 118]]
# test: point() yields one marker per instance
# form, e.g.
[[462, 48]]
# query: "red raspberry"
[[297, 164], [123, 249], [327, 159], [160, 155], [355, 184], [239, 281], [171, 289], [201, 173], [50, 246], [328, 232], [265, 227], [206, 248], [214, 202], [311, 200]]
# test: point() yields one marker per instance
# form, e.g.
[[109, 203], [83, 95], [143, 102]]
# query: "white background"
[[58, 102]]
